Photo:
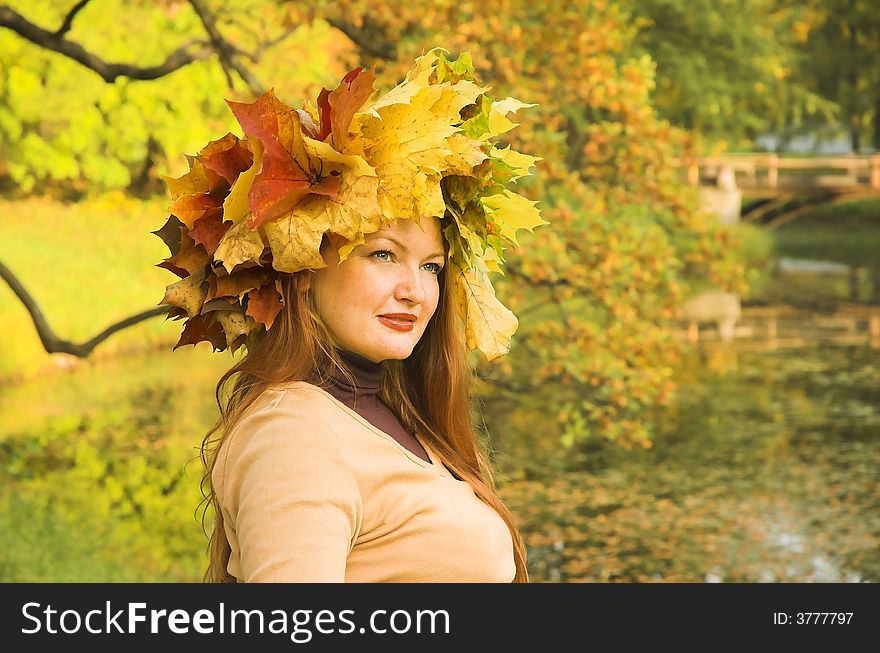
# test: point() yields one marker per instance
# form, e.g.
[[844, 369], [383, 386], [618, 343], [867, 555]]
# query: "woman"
[[349, 251], [356, 479]]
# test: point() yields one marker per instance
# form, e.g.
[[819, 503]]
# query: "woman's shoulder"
[[291, 395], [291, 416], [287, 437], [292, 400]]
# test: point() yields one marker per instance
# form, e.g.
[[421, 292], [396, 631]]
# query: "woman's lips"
[[398, 324]]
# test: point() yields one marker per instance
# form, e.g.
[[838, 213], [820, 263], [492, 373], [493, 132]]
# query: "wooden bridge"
[[787, 187], [762, 175], [780, 326]]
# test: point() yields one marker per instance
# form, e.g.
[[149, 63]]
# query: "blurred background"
[[692, 394]]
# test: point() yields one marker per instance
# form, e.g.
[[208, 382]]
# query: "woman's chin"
[[394, 351]]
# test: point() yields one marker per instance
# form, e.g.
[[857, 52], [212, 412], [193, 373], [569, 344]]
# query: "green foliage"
[[725, 68], [100, 471], [843, 233], [838, 55], [756, 254], [62, 125]]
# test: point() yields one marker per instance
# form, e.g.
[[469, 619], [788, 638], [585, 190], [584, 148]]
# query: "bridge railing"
[[763, 170]]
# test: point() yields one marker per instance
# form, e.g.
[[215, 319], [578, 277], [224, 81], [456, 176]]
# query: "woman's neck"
[[364, 384]]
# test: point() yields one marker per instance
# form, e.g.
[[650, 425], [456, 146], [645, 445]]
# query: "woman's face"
[[378, 301]]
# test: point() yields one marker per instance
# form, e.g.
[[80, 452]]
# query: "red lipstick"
[[398, 321]]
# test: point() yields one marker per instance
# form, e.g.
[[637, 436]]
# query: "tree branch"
[[56, 42], [68, 20], [515, 272], [256, 54], [51, 342], [225, 50], [370, 39]]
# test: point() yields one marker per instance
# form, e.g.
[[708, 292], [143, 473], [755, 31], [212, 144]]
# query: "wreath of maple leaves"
[[252, 209]]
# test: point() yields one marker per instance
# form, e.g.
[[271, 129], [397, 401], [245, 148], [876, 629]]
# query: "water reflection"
[[765, 469]]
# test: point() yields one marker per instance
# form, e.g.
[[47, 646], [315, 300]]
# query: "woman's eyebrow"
[[405, 248]]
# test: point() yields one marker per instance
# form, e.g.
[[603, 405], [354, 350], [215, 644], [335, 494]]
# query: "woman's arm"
[[292, 508]]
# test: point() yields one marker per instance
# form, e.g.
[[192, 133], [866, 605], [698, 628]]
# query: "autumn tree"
[[597, 290]]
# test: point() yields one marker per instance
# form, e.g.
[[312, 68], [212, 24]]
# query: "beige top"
[[310, 491]]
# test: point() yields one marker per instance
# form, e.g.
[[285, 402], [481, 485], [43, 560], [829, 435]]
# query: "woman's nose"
[[410, 286]]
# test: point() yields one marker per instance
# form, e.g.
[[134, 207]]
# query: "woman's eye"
[[387, 255]]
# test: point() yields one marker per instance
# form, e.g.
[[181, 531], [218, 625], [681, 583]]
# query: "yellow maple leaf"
[[521, 163], [238, 245], [511, 212], [188, 293], [235, 324], [295, 238], [411, 139], [499, 123], [197, 181], [235, 206], [489, 324]]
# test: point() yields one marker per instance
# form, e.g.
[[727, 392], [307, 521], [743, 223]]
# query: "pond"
[[765, 469]]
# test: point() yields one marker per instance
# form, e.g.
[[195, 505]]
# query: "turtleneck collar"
[[362, 396], [367, 379]]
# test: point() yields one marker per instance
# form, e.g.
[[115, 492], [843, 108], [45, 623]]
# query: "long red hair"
[[430, 392]]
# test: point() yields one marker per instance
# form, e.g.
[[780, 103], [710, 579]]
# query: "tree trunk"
[[854, 282], [875, 285], [147, 181], [854, 118], [877, 117]]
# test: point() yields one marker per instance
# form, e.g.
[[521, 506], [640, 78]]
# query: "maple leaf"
[[264, 303], [209, 229], [237, 283], [170, 233], [339, 106], [202, 328], [189, 208], [188, 293], [198, 193], [416, 79], [511, 212], [410, 138], [238, 245], [489, 324], [461, 68], [199, 180], [226, 156], [490, 118], [287, 173], [236, 325], [235, 206], [189, 257], [295, 238], [519, 163]]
